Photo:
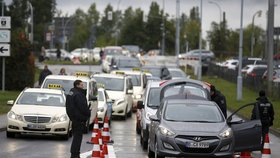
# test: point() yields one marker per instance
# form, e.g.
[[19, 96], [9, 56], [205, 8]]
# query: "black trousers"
[[77, 129], [265, 130]]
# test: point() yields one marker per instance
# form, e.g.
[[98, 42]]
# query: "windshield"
[[188, 91], [111, 84], [192, 113], [100, 96], [44, 99], [136, 80], [113, 51], [154, 71], [175, 73], [153, 98], [129, 63], [65, 85]]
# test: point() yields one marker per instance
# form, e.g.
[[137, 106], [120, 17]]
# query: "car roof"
[[128, 72], [190, 101], [109, 75], [174, 69], [154, 84], [43, 90], [69, 77], [125, 58], [152, 66], [252, 65]]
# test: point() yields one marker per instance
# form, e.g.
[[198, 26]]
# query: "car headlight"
[[14, 116], [138, 96], [119, 102], [226, 133], [62, 118], [148, 115], [180, 56], [165, 131], [100, 109]]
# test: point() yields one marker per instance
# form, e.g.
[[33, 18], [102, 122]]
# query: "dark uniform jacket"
[[220, 99], [76, 105], [266, 112]]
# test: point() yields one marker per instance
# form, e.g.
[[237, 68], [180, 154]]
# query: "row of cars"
[[252, 67], [177, 118]]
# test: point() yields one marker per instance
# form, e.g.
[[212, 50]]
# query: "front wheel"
[[10, 134]]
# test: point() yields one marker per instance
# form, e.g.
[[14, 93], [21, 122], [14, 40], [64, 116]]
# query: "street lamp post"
[[215, 3], [200, 45], [259, 13], [31, 21], [117, 23], [177, 45], [163, 29], [239, 78]]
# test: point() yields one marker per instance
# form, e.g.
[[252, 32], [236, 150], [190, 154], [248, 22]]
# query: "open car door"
[[247, 133]]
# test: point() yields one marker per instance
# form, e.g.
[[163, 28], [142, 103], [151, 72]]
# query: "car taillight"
[[253, 74]]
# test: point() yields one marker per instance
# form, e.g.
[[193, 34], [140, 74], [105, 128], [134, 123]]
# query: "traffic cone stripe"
[[105, 133], [96, 148], [106, 125], [266, 151], [266, 146]]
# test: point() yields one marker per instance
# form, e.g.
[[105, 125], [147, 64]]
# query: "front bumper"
[[179, 147], [119, 110], [57, 128]]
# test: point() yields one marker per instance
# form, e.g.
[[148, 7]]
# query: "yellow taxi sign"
[[54, 86], [120, 73], [146, 71], [136, 69], [85, 74]]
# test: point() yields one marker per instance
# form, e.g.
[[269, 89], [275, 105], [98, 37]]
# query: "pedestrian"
[[43, 54], [219, 99], [78, 111], [58, 54], [62, 71], [44, 73], [266, 113], [101, 55]]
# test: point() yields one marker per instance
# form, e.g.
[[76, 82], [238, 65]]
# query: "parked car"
[[66, 83], [113, 50], [254, 70], [82, 53], [39, 111], [206, 55], [124, 63], [96, 53], [51, 55], [276, 74], [196, 128], [230, 64], [104, 106]]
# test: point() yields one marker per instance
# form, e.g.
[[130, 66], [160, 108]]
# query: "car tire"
[[151, 154], [130, 113], [125, 114], [156, 151], [10, 134]]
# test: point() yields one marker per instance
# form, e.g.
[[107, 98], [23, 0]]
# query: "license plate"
[[34, 126], [197, 145]]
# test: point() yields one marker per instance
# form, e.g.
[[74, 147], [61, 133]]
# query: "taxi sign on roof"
[[120, 73], [136, 69], [54, 86], [85, 74], [146, 71]]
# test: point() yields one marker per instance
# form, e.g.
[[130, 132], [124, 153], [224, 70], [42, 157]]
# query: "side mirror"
[[10, 102], [140, 105], [129, 91], [92, 98], [154, 118]]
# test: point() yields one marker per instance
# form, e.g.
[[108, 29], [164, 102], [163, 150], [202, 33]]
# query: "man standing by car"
[[44, 74], [219, 99], [266, 113], [78, 112], [58, 54]]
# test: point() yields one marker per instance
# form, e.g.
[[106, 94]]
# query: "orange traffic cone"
[[266, 152], [96, 125], [94, 131], [105, 133], [100, 139], [96, 148], [105, 151], [245, 154]]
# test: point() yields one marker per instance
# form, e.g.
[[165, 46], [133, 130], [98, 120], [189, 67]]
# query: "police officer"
[[219, 99], [78, 111], [266, 113]]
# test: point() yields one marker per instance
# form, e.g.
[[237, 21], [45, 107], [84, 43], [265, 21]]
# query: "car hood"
[[38, 110], [115, 95], [195, 128]]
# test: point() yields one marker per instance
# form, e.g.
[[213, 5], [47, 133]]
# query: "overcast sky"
[[210, 11]]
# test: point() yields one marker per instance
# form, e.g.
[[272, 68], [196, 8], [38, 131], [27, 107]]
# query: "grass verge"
[[4, 97]]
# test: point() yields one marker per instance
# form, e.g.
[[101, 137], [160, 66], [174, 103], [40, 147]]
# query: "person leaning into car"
[[219, 99], [78, 112], [266, 113]]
